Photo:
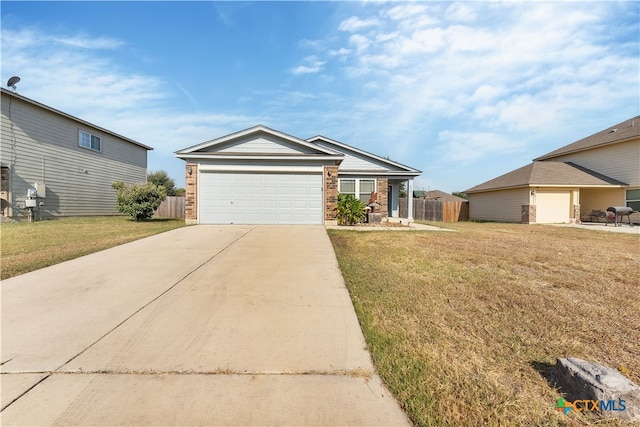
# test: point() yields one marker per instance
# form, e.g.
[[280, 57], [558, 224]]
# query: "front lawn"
[[31, 246], [465, 326]]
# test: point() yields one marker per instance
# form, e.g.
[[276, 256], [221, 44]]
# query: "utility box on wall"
[[41, 189]]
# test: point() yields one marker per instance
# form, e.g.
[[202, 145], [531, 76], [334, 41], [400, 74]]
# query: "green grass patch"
[[31, 246], [465, 326]]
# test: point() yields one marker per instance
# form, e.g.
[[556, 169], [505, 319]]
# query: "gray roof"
[[548, 174], [341, 146], [621, 132]]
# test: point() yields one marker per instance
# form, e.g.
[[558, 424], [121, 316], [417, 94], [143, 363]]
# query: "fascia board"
[[254, 129], [364, 153], [258, 157]]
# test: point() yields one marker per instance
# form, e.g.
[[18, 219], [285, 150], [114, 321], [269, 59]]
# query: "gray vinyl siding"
[[40, 146], [357, 162], [261, 144]]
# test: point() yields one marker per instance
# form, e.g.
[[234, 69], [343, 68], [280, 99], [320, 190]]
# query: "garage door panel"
[[260, 198], [553, 207]]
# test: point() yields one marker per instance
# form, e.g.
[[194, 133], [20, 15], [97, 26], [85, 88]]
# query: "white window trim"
[[357, 184], [80, 132], [630, 200]]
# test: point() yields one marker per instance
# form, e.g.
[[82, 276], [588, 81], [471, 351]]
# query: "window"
[[361, 188], [92, 142], [633, 199]]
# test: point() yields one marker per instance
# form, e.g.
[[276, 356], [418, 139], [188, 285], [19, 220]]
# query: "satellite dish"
[[12, 82]]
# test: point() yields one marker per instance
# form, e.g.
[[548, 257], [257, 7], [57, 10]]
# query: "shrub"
[[162, 179], [139, 201], [351, 210]]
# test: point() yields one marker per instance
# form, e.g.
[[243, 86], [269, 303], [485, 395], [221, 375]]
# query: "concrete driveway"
[[204, 325]]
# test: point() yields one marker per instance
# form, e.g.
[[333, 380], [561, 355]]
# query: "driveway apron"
[[205, 325]]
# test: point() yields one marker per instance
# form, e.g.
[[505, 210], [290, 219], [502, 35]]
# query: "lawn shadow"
[[546, 371]]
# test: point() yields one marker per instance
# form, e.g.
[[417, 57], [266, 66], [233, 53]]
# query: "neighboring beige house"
[[263, 176], [70, 162], [594, 173]]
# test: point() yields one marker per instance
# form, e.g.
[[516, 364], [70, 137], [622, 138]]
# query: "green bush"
[[351, 210], [139, 200]]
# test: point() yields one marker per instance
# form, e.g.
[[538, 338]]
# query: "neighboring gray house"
[[263, 176], [70, 162]]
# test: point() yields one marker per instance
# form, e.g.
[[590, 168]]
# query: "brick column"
[[383, 196], [330, 192], [191, 194]]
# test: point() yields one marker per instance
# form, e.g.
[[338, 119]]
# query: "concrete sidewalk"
[[205, 325]]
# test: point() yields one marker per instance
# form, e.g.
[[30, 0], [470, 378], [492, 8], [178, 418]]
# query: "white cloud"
[[405, 11], [339, 52], [461, 12], [464, 147], [360, 42], [86, 42], [81, 81], [312, 65], [354, 24]]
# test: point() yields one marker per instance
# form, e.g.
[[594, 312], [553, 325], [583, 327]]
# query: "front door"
[[389, 200]]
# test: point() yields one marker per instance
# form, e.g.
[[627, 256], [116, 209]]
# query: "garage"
[[553, 207], [260, 198]]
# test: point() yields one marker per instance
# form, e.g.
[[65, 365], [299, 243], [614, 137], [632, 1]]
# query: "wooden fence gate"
[[436, 210]]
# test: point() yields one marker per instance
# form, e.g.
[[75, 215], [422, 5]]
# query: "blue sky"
[[464, 91]]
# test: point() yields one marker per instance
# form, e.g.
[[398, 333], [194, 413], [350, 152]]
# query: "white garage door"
[[260, 198], [553, 207]]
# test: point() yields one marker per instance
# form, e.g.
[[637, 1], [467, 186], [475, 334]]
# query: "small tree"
[[139, 200], [350, 210], [162, 179], [460, 194]]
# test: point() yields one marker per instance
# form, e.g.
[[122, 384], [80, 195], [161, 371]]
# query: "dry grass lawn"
[[465, 326], [31, 246]]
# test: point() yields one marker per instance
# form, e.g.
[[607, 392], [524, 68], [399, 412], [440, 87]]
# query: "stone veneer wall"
[[330, 192], [576, 213], [191, 194], [383, 196], [528, 214]]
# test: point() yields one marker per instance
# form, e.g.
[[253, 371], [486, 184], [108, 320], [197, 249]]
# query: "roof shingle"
[[548, 174], [621, 132]]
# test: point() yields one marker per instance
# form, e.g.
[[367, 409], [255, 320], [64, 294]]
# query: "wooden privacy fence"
[[436, 210], [171, 207]]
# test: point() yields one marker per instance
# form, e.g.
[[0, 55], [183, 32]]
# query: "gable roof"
[[548, 174], [292, 146], [621, 132], [69, 116], [392, 167]]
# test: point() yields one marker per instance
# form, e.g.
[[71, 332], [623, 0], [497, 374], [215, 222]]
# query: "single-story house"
[[591, 174], [67, 164], [264, 176]]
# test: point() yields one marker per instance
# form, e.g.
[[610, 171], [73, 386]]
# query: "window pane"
[[634, 205], [367, 185], [633, 194], [347, 186], [85, 139], [95, 142]]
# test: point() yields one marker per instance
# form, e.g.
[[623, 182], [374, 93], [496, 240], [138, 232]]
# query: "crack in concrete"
[[49, 373], [354, 373]]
